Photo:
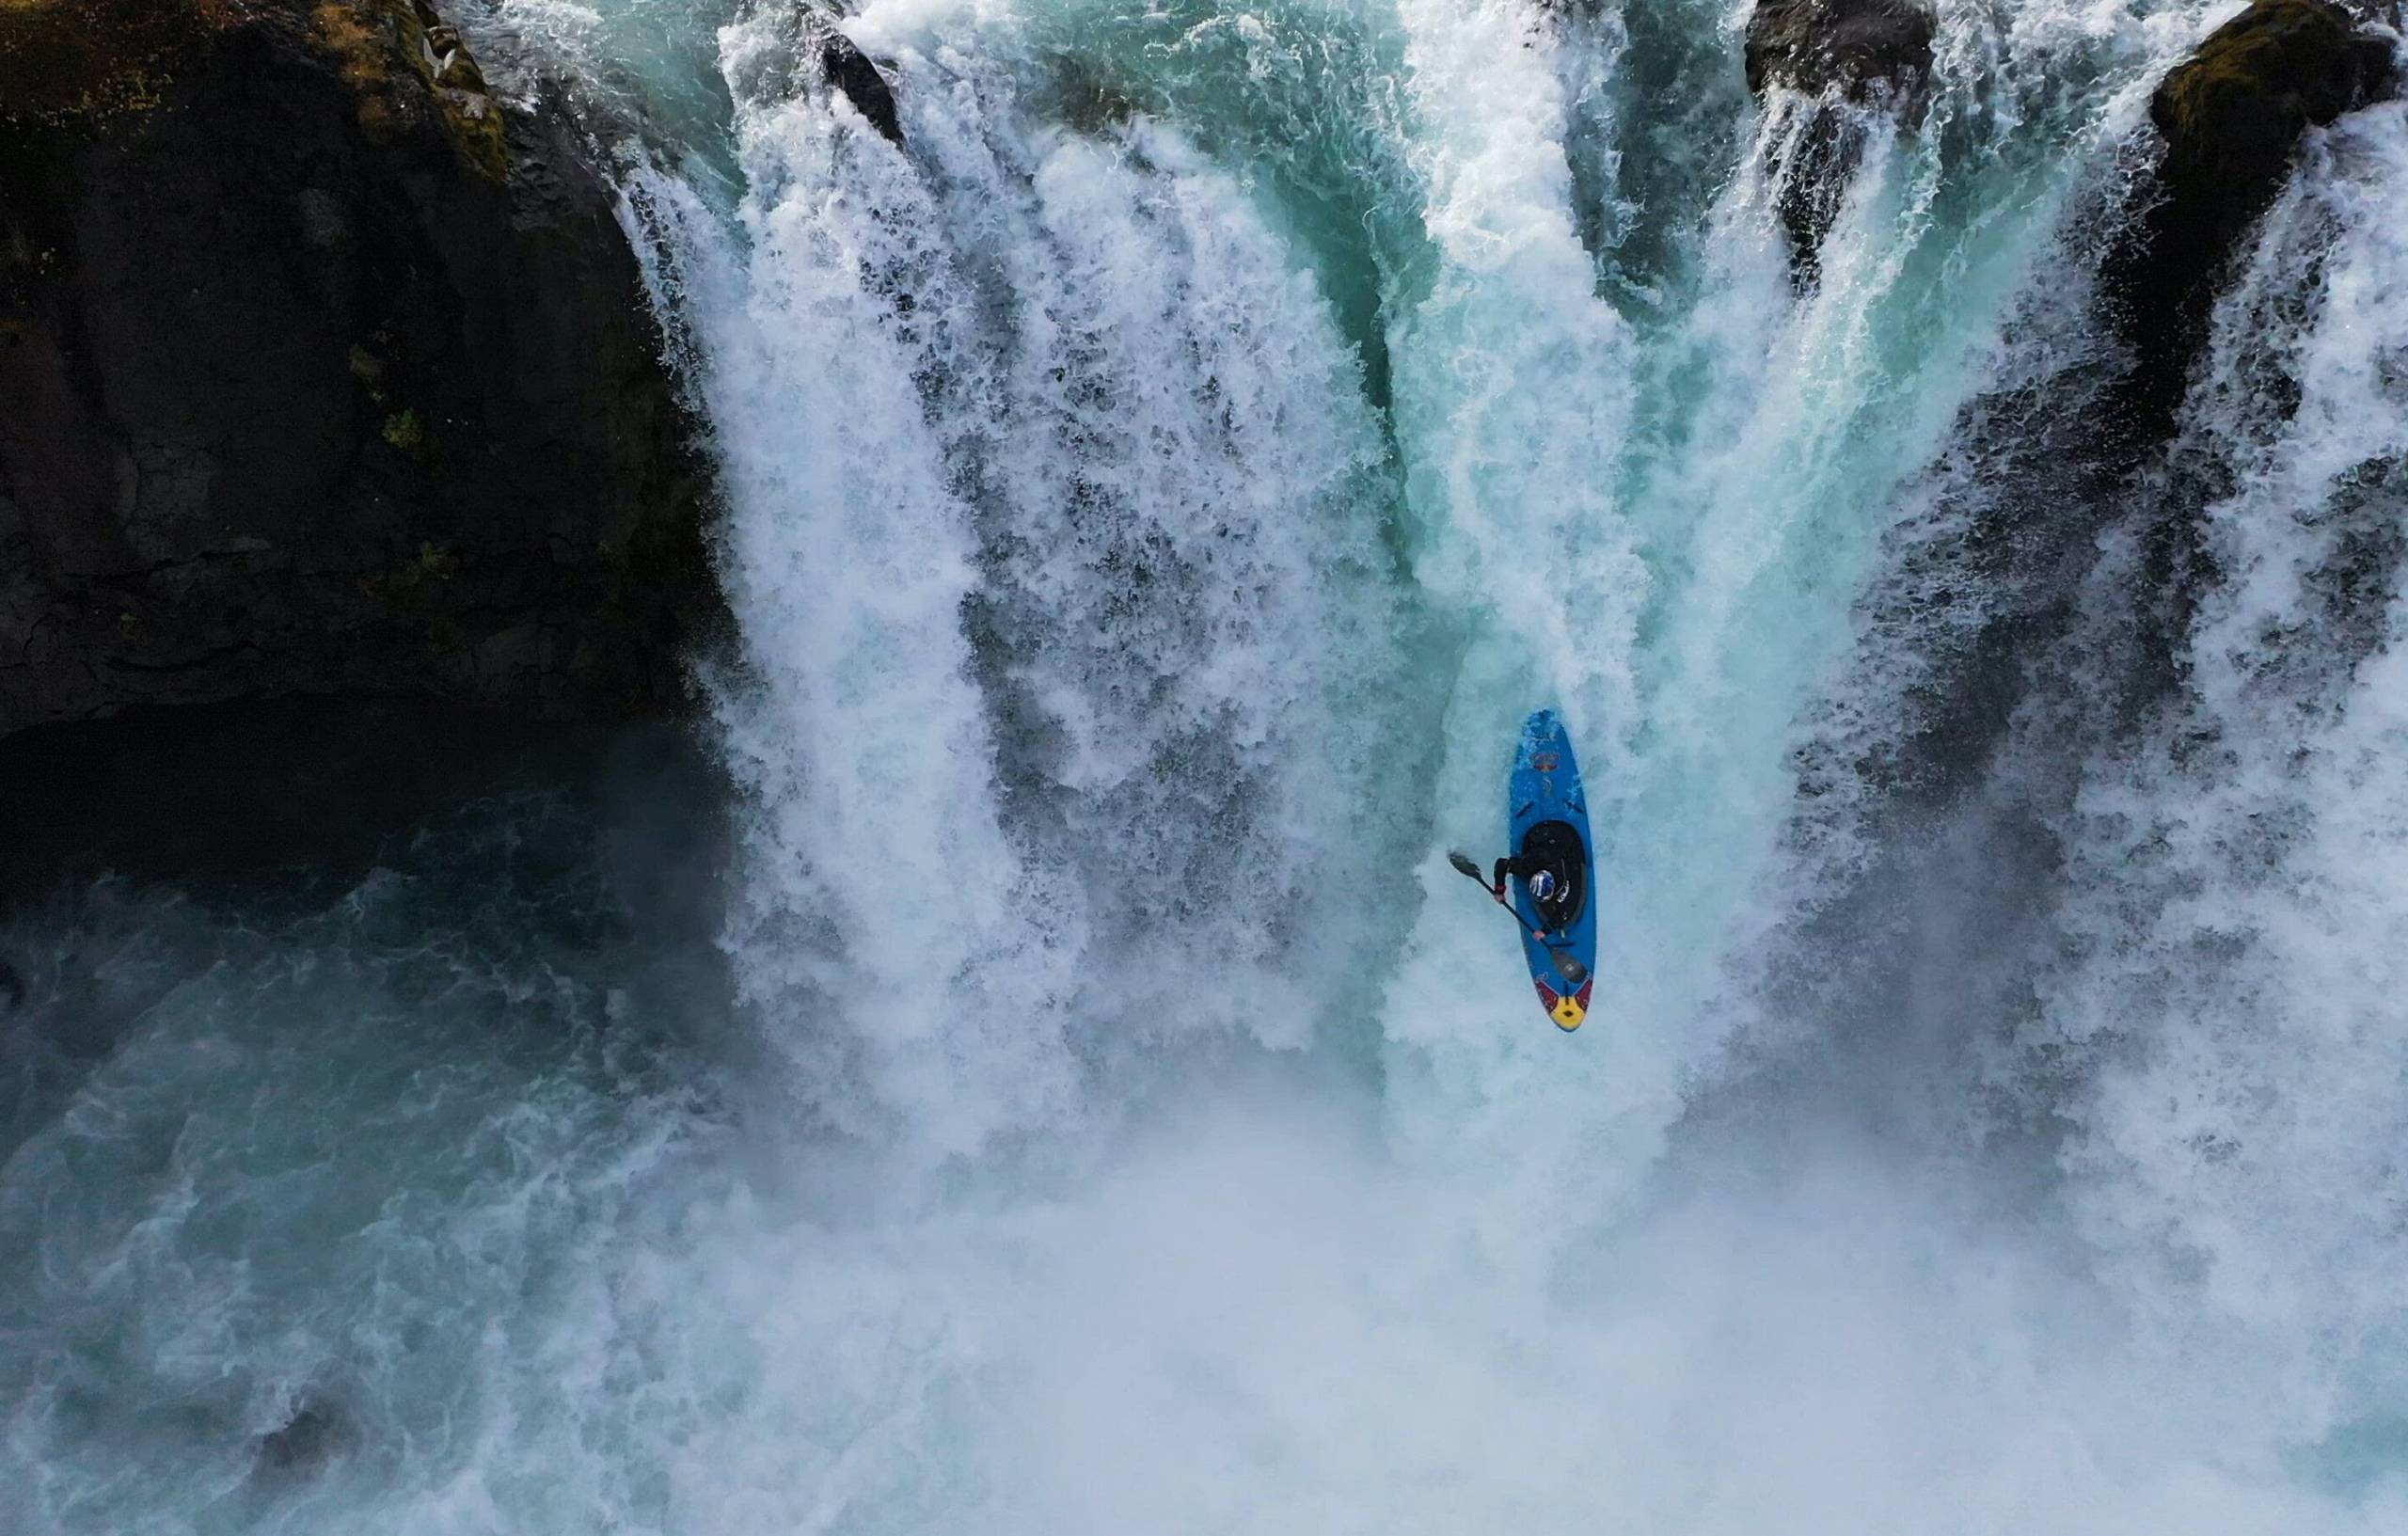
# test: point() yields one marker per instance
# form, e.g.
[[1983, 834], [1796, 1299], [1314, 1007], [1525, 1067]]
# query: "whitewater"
[[1038, 1072]]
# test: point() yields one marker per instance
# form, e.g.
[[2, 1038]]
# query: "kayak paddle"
[[1570, 969]]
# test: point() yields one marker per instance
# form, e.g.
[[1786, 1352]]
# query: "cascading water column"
[[1659, 520], [884, 916], [1053, 543], [1512, 398], [2224, 981]]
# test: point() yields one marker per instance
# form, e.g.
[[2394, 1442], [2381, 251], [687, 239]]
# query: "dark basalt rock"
[[848, 70], [2231, 116], [2231, 113], [1853, 58], [1867, 51], [317, 1435], [321, 370]]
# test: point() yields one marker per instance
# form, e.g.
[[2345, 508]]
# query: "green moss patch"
[[2269, 71], [377, 43], [405, 433]]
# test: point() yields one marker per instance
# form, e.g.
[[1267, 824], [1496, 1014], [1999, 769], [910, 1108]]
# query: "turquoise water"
[[1084, 1099]]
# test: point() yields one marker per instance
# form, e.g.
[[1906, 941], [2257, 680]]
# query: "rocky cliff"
[[321, 370]]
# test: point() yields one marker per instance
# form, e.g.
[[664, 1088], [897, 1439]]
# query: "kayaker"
[[1549, 888]]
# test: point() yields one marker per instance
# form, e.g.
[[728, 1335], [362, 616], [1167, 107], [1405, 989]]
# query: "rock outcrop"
[[847, 68], [1867, 51], [321, 370], [2231, 116], [1851, 58]]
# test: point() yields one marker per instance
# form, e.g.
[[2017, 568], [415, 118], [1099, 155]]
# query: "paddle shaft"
[[1573, 972]]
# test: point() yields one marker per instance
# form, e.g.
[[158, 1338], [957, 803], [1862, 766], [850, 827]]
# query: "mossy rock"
[[375, 42], [2235, 107], [2232, 116], [83, 63], [397, 415]]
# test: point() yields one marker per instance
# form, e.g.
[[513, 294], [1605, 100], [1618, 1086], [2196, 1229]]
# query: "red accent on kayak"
[[1583, 996], [1546, 998]]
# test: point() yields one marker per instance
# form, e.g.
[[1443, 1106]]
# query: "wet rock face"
[[848, 70], [1852, 58], [316, 1436], [321, 369], [2233, 111], [1868, 51], [2231, 116]]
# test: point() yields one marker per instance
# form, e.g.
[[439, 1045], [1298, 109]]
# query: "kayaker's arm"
[[1512, 867]]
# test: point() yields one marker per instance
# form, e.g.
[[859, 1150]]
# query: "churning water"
[[1152, 494]]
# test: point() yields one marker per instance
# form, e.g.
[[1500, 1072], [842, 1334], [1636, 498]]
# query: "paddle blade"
[[1463, 863], [1569, 968]]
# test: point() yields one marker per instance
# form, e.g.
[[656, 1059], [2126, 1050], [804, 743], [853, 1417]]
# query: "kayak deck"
[[1547, 814]]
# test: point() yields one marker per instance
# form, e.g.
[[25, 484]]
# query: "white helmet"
[[1542, 885]]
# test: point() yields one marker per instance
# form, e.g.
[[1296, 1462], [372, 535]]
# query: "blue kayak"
[[1546, 819]]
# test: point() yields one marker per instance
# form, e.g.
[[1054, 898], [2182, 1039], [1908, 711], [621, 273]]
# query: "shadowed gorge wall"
[[325, 368]]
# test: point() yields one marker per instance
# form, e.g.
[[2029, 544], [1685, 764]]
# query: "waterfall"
[[1042, 711], [1152, 487]]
